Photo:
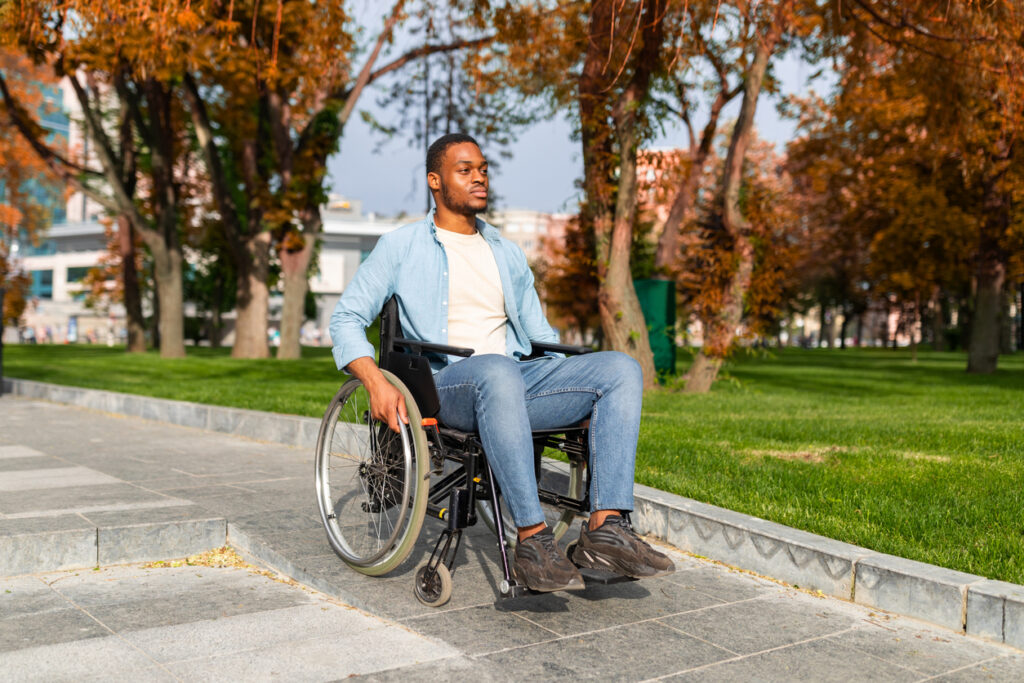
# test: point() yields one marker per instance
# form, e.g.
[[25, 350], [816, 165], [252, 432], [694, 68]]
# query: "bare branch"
[[364, 74], [32, 133], [426, 50], [904, 23], [923, 50], [211, 155]]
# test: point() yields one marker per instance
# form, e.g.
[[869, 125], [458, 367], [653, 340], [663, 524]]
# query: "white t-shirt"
[[476, 304]]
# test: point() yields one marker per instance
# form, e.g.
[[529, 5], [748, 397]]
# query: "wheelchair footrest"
[[514, 590], [602, 577]]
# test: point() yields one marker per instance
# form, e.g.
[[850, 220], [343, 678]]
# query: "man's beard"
[[461, 208]]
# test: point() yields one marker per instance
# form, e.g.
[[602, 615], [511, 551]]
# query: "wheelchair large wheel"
[[563, 520], [371, 483]]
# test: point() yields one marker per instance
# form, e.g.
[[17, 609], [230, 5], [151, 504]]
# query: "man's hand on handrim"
[[386, 402]]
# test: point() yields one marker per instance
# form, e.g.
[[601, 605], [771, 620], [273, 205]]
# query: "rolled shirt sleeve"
[[360, 304], [531, 314]]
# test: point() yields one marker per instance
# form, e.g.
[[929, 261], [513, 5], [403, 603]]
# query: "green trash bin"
[[658, 302]]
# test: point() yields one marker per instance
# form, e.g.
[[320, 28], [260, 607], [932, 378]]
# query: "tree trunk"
[[168, 306], [154, 331], [702, 373], [1006, 328], [938, 321], [1020, 318], [217, 315], [612, 212], [842, 329], [724, 330], [915, 320], [719, 334], [172, 320], [983, 349], [295, 273], [134, 321], [253, 299], [682, 204], [621, 315]]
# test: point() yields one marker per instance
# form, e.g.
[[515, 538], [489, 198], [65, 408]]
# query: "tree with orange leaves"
[[117, 61], [920, 149], [25, 184], [265, 88], [269, 100], [710, 257]]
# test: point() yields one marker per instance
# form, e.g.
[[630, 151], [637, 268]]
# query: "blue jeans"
[[503, 399]]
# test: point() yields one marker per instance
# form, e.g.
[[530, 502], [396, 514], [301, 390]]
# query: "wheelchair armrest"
[[572, 350], [419, 347]]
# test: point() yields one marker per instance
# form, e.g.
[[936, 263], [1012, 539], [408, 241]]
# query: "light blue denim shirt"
[[411, 263]]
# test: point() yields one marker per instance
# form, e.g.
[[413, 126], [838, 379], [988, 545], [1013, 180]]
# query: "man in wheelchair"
[[459, 283]]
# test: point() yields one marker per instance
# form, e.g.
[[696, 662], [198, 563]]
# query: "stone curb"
[[262, 554], [958, 601], [290, 430], [82, 545]]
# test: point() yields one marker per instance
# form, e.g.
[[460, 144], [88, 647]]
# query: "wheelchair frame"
[[453, 496]]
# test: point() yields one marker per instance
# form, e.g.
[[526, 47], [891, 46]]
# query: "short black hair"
[[435, 153]]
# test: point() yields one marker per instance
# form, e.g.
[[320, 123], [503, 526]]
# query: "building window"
[[77, 274], [45, 248], [42, 284]]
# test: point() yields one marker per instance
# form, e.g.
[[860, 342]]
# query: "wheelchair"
[[375, 487]]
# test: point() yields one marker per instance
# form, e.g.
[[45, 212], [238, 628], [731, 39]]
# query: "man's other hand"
[[386, 402]]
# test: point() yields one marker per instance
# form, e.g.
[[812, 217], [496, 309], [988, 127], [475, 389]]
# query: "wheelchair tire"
[[435, 592], [371, 483], [561, 525]]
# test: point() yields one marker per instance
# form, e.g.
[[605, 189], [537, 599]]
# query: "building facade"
[[57, 311]]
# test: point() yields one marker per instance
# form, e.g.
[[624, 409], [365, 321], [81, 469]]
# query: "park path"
[[142, 487]]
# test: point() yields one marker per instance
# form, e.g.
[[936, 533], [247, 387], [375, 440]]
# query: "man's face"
[[461, 186]]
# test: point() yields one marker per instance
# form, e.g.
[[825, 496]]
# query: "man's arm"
[[531, 314], [360, 303], [386, 403]]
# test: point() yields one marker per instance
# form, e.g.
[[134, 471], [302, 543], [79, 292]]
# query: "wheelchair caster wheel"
[[437, 590]]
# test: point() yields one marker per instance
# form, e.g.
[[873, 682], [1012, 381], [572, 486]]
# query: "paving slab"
[[193, 622], [704, 622]]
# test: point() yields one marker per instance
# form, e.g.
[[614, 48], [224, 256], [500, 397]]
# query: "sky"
[[546, 162]]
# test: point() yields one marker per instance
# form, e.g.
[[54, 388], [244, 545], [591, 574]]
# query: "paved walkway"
[[64, 470]]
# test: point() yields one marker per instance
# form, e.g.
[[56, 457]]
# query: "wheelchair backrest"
[[412, 369]]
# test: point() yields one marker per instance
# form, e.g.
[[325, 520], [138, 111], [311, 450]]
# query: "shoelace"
[[547, 541]]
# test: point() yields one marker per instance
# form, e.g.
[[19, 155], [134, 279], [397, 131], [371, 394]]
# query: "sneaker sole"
[[567, 587], [590, 560]]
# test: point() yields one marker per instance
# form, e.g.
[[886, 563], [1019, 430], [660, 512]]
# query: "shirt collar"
[[489, 232]]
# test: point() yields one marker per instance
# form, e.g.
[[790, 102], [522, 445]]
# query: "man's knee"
[[621, 369], [497, 376]]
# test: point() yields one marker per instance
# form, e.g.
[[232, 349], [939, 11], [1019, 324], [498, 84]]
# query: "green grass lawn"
[[919, 459]]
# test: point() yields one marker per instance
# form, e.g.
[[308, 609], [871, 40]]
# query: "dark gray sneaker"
[[615, 547], [542, 565]]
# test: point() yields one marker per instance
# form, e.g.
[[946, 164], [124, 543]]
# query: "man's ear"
[[434, 181]]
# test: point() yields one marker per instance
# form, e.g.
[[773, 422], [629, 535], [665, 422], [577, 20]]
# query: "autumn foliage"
[[26, 184]]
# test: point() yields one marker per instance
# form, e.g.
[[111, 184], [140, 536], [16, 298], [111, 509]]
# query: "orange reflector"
[[428, 422]]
